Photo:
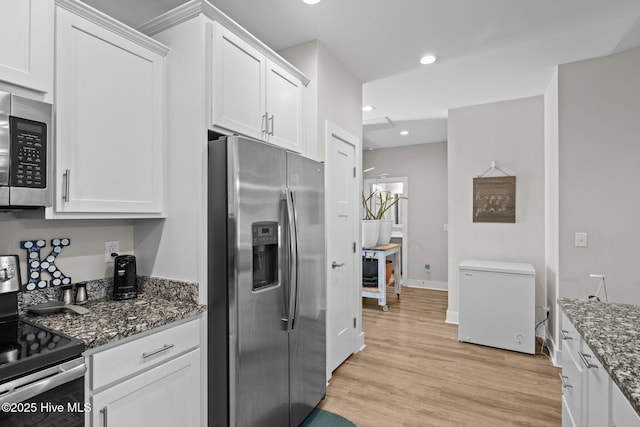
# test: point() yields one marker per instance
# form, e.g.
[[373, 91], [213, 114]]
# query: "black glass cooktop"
[[27, 347]]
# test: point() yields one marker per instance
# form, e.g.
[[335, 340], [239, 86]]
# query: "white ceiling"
[[488, 50]]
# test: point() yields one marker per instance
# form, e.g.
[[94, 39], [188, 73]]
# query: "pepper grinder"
[[67, 295], [81, 293]]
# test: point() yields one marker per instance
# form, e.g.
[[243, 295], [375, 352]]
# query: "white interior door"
[[342, 221]]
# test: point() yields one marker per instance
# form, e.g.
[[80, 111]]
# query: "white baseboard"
[[453, 317], [426, 284], [554, 353], [360, 345]]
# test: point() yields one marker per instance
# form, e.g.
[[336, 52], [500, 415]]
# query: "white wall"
[[599, 152], [176, 247], [512, 134], [334, 94], [425, 165], [305, 57], [83, 259], [552, 208]]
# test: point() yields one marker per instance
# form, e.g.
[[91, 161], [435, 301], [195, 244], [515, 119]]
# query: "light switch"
[[581, 240]]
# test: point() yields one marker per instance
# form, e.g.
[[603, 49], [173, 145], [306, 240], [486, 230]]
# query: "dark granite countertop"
[[160, 302], [612, 332]]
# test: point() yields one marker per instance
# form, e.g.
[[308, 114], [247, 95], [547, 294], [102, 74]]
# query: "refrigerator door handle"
[[293, 260]]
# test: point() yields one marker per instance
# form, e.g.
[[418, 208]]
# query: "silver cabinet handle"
[[160, 350], [336, 265], [564, 384], [66, 176], [586, 362], [565, 335], [264, 125], [272, 120], [104, 416]]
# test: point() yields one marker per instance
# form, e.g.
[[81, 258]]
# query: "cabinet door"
[[574, 377], [573, 391], [238, 69], [110, 105], [168, 395], [26, 43], [284, 108], [623, 414], [599, 400]]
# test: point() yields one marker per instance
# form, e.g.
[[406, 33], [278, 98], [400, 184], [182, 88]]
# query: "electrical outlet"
[[581, 240], [111, 247]]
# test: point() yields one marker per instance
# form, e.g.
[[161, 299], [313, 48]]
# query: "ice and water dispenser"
[[265, 254]]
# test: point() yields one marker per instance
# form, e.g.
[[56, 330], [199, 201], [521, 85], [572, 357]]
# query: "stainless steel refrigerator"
[[266, 294]]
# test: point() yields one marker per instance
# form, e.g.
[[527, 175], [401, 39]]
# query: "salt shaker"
[[81, 293], [67, 295]]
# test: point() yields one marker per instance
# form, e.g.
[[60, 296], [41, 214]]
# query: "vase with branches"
[[378, 203], [375, 205]]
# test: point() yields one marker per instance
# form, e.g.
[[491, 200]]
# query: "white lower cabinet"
[[589, 396], [168, 395], [574, 381], [599, 390], [150, 381], [622, 413]]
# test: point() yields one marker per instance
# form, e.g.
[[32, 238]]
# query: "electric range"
[[41, 370], [26, 347]]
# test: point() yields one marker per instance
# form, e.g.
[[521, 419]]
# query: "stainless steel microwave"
[[25, 151]]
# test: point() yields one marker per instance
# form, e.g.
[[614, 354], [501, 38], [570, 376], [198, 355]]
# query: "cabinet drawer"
[[131, 357], [571, 340]]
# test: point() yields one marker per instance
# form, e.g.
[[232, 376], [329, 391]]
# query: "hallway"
[[414, 372]]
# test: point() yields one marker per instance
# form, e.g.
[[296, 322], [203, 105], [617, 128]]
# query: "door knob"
[[335, 264]]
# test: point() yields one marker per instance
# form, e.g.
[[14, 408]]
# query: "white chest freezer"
[[497, 304]]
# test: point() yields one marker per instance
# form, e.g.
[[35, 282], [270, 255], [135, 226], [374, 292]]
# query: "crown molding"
[[111, 24], [194, 8]]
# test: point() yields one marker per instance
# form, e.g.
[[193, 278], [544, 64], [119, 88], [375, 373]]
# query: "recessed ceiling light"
[[404, 132], [428, 59], [311, 1], [368, 108]]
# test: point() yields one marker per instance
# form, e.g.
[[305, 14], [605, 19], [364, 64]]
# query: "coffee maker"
[[125, 284]]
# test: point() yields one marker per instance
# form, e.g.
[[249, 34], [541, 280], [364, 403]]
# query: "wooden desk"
[[381, 253]]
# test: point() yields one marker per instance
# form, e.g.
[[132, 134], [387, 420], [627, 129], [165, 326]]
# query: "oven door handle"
[[32, 385]]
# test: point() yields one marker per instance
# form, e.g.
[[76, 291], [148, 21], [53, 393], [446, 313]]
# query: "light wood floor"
[[415, 372]]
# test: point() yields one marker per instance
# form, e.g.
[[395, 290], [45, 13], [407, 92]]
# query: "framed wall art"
[[494, 199]]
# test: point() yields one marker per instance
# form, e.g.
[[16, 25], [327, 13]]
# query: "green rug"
[[322, 418]]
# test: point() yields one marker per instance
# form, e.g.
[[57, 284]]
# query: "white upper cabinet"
[[110, 118], [26, 44], [238, 74], [253, 95], [284, 108]]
